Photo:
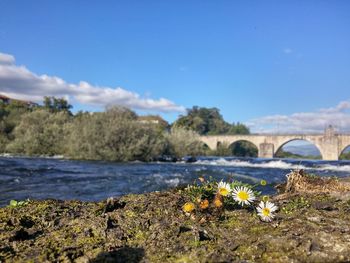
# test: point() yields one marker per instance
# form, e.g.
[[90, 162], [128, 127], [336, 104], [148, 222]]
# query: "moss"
[[276, 257], [154, 228], [296, 205], [130, 214], [248, 252], [259, 230]]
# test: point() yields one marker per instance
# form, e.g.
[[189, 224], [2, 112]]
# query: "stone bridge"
[[330, 144]]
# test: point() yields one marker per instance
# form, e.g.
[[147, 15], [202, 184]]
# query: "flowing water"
[[42, 178]]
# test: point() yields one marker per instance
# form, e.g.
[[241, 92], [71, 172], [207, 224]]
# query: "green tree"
[[244, 149], [54, 104], [238, 128], [114, 135], [40, 133], [10, 117], [203, 121], [222, 149]]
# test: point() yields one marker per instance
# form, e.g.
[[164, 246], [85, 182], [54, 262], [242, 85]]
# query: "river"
[[42, 178]]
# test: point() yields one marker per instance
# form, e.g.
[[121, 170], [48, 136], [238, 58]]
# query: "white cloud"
[[342, 106], [6, 59], [287, 50], [305, 122], [19, 82]]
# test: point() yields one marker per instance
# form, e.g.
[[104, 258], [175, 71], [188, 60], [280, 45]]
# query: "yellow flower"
[[263, 182], [218, 201], [204, 204], [224, 188], [188, 207], [265, 198]]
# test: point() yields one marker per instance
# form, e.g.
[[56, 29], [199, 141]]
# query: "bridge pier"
[[266, 150], [330, 151], [330, 145]]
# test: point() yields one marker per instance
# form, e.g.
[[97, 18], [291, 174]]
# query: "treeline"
[[117, 134]]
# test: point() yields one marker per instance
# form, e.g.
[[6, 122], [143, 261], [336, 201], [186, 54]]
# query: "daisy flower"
[[224, 188], [243, 195], [266, 210]]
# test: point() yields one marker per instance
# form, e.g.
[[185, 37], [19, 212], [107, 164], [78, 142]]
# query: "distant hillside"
[[310, 150], [7, 100]]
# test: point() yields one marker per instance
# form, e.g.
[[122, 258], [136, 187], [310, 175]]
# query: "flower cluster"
[[234, 193]]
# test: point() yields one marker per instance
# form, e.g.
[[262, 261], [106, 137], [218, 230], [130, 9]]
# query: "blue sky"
[[275, 65]]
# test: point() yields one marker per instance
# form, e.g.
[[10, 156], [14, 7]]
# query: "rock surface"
[[309, 227]]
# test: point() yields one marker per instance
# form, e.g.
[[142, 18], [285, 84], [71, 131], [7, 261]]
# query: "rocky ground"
[[310, 226]]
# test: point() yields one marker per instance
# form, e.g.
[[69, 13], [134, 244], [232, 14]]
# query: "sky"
[[276, 66]]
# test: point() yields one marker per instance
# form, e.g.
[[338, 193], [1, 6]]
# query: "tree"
[[40, 133], [114, 135], [238, 128], [54, 104], [10, 117], [244, 149], [203, 121], [208, 121]]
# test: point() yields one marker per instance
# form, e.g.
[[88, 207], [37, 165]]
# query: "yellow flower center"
[[223, 191], [243, 195], [266, 211]]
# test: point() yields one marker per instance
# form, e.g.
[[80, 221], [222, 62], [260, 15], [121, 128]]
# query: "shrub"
[[39, 133], [114, 135], [182, 142]]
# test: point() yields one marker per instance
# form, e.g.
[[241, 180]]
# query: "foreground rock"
[[310, 227]]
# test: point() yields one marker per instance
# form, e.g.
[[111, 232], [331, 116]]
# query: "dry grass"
[[298, 181]]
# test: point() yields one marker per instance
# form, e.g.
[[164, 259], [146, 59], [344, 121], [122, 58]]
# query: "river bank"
[[310, 226], [43, 178]]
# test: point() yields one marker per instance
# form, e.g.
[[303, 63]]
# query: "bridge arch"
[[205, 146], [243, 140], [244, 148], [280, 145], [345, 151]]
